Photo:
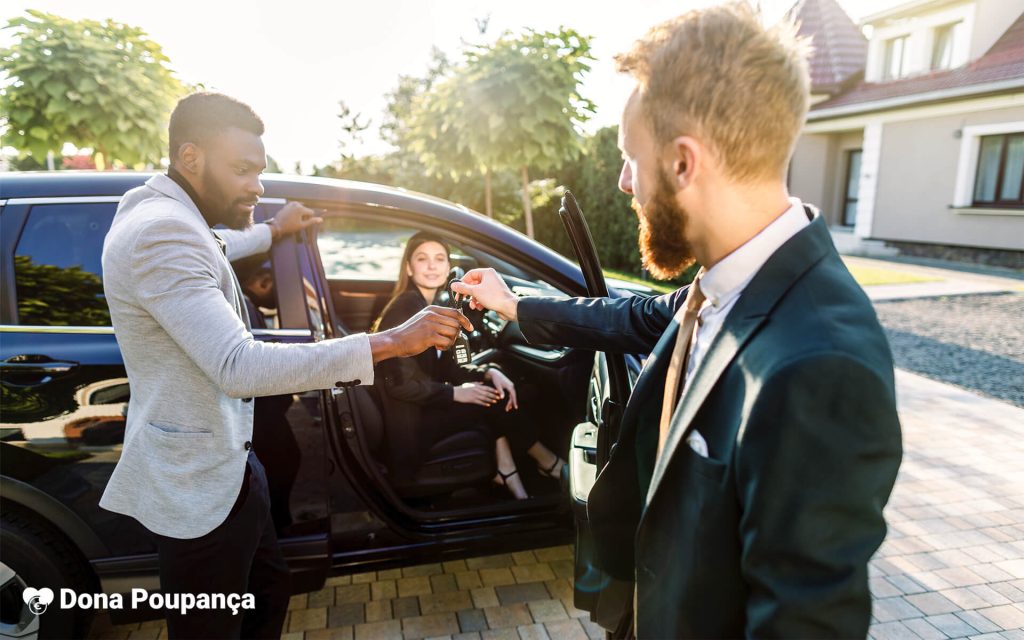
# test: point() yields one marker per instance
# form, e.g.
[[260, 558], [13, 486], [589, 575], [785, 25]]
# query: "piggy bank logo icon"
[[37, 599]]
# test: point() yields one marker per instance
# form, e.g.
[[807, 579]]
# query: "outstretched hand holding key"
[[461, 345]]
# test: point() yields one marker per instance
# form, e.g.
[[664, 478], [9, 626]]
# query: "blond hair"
[[719, 75]]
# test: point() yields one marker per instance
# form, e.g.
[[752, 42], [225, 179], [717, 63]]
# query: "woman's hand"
[[475, 393], [505, 387]]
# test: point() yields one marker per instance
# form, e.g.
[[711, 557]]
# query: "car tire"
[[42, 557]]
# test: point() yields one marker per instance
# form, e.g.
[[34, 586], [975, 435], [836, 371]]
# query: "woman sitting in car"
[[444, 397]]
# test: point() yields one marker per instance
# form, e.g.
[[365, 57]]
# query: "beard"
[[664, 250], [222, 208]]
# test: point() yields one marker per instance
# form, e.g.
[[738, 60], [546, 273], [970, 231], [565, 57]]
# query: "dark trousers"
[[240, 556]]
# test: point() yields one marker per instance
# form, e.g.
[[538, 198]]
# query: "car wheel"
[[36, 556]]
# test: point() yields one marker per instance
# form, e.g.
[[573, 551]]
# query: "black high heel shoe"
[[550, 471], [504, 482]]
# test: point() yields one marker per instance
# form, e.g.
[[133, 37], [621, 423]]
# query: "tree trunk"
[[488, 206], [527, 208]]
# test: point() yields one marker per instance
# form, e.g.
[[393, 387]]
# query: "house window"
[[945, 42], [852, 187], [895, 58], [1000, 173]]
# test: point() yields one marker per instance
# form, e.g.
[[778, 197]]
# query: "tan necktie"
[[680, 356]]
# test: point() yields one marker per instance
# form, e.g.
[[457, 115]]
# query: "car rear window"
[[57, 270]]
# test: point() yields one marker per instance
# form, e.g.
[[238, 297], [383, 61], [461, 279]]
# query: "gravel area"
[[974, 341]]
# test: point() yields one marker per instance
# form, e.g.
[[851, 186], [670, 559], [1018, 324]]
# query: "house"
[[915, 138]]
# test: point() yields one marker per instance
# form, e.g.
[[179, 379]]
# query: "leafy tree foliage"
[[510, 105], [102, 85], [522, 106]]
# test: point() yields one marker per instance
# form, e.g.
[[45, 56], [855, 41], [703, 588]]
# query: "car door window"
[[354, 249], [57, 269], [361, 261]]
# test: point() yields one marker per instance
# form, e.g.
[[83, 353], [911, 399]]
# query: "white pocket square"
[[697, 443]]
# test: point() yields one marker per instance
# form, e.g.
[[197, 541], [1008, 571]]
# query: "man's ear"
[[685, 155], [190, 159]]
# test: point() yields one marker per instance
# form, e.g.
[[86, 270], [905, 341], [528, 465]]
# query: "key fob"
[[461, 347]]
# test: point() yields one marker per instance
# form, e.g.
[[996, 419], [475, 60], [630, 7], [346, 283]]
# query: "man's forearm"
[[621, 325], [383, 346], [243, 243]]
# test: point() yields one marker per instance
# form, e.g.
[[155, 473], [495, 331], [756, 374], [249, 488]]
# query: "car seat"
[[459, 461]]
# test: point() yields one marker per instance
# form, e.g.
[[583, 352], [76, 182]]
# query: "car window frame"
[[460, 236], [14, 215]]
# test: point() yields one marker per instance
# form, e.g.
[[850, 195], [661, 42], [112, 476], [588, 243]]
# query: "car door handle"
[[25, 371]]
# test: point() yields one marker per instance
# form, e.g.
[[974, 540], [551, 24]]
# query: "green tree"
[[438, 134], [395, 126], [594, 180], [352, 126], [520, 105], [511, 105], [101, 85]]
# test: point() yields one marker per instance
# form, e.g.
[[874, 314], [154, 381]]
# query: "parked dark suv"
[[65, 396]]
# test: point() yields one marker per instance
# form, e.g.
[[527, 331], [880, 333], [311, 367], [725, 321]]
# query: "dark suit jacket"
[[770, 535]]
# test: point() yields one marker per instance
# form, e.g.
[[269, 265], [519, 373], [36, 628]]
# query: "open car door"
[[607, 394]]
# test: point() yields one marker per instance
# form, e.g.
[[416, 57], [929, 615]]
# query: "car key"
[[461, 346]]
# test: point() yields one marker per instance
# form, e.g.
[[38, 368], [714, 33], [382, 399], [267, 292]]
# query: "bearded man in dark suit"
[[761, 441]]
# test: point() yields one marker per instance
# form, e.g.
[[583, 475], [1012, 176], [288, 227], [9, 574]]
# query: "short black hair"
[[199, 116]]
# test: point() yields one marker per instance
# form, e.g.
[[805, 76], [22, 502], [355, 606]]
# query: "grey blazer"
[[192, 362]]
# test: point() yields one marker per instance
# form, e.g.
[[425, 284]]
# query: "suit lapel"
[[168, 187], [649, 387], [730, 339], [771, 282], [236, 286]]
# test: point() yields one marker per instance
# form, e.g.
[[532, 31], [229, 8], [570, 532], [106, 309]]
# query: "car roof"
[[42, 184], [309, 189]]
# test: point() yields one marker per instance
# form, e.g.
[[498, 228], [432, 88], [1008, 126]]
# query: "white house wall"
[[811, 171], [917, 184], [817, 173], [920, 32], [869, 170]]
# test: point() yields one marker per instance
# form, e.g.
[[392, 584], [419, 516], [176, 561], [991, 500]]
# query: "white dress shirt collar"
[[722, 283]]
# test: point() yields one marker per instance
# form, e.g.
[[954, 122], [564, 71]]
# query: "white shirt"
[[723, 283]]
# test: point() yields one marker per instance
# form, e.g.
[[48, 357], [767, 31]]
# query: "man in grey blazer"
[[187, 471]]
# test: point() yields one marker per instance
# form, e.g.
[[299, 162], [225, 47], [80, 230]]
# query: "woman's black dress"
[[418, 392]]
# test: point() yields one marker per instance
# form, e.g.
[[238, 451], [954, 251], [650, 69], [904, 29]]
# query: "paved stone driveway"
[[522, 595], [951, 567], [953, 562]]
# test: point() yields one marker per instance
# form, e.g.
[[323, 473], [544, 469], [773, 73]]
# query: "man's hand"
[[475, 393], [433, 326], [489, 291], [291, 218], [505, 387]]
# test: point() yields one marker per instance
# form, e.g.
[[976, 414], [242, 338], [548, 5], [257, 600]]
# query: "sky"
[[293, 61]]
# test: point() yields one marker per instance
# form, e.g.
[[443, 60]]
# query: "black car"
[[65, 396]]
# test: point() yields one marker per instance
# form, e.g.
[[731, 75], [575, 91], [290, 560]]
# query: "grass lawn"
[[657, 285], [865, 277], [868, 276]]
